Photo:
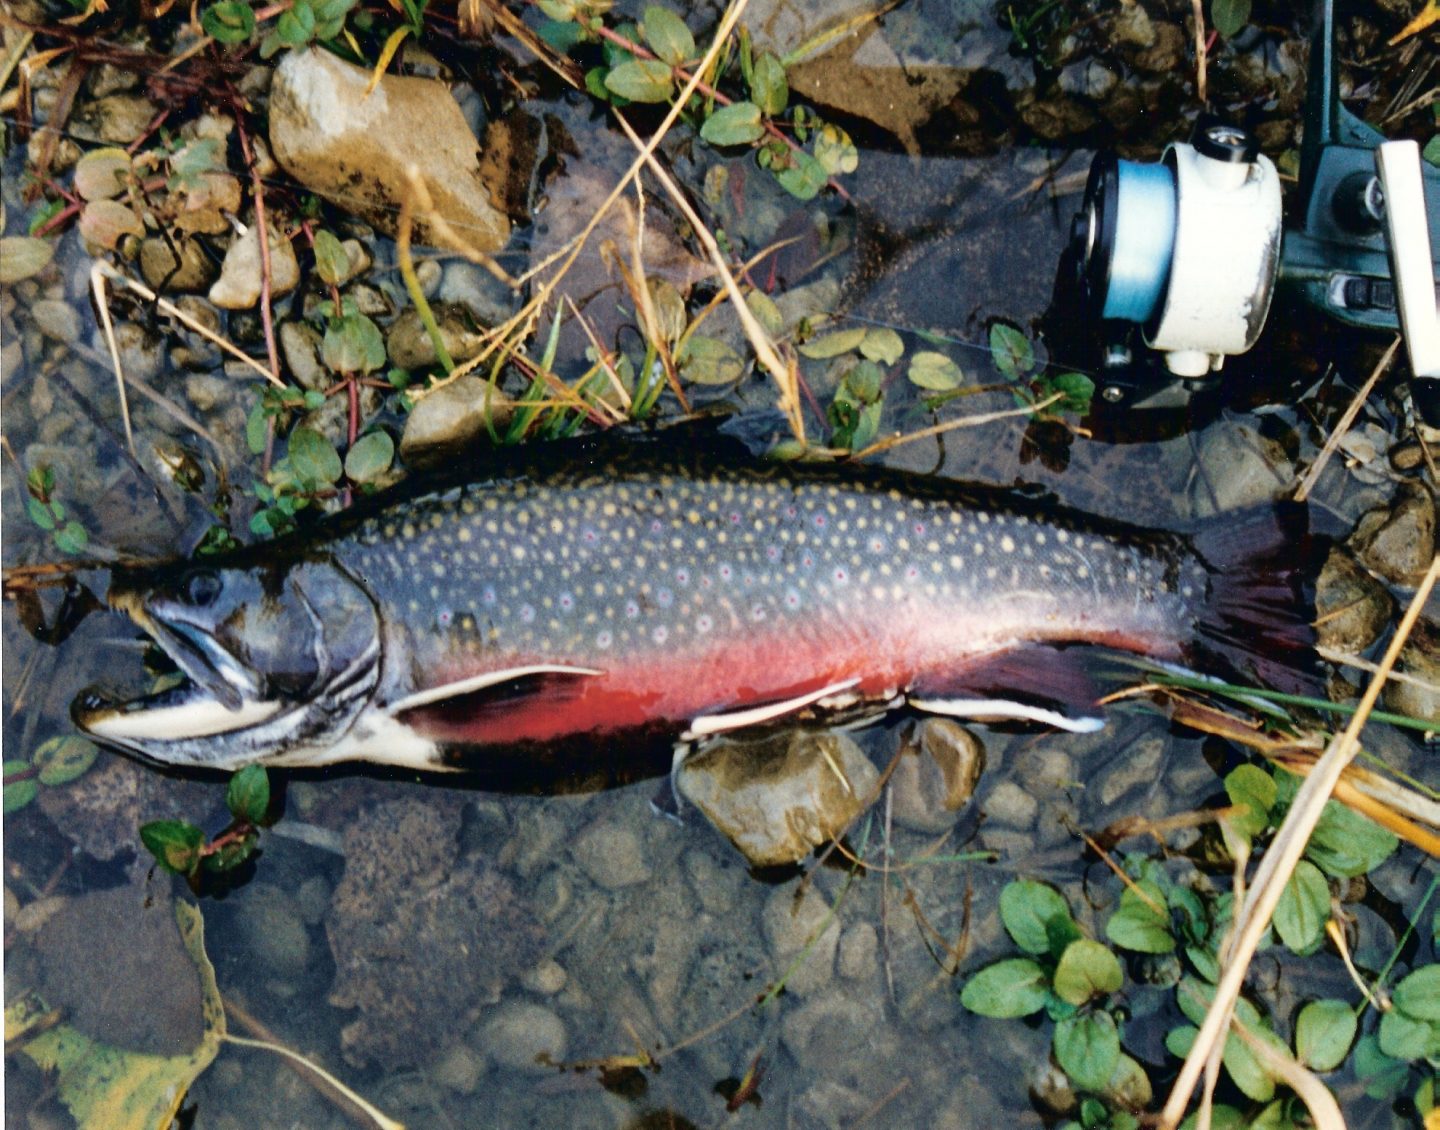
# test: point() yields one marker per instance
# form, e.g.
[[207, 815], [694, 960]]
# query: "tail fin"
[[1259, 621]]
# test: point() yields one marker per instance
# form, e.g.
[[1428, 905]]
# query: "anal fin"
[[1048, 686]]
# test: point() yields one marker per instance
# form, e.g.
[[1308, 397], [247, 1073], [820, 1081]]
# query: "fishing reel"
[[1189, 251]]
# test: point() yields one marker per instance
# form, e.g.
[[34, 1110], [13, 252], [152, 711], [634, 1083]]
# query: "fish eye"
[[202, 588]]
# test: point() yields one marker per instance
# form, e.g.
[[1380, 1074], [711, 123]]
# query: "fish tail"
[[1258, 621]]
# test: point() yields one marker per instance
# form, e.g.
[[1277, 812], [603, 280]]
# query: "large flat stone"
[[354, 149]]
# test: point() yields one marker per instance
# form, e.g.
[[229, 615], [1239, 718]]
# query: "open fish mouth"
[[176, 714]]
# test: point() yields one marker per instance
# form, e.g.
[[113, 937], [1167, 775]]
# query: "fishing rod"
[[1177, 261]]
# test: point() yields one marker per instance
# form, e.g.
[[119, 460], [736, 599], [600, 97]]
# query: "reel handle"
[[1397, 164]]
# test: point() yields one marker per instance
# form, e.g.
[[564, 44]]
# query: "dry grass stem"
[[951, 425], [1318, 1100], [1307, 484], [420, 199], [1253, 916], [97, 288], [1345, 659]]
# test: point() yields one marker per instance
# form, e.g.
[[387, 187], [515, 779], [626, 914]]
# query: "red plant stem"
[[257, 190], [236, 832], [704, 88]]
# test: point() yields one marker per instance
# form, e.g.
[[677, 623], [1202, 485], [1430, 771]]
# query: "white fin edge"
[[199, 718], [708, 725], [982, 708], [480, 682]]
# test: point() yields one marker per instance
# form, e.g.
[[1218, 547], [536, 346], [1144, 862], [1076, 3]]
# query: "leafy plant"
[[49, 513], [183, 849], [1013, 356], [55, 762]]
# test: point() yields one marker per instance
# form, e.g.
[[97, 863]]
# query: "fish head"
[[277, 657]]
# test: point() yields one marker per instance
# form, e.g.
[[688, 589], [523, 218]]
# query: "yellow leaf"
[[1428, 15], [110, 1088], [387, 53]]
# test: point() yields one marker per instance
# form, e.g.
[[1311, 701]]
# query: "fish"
[[606, 588]]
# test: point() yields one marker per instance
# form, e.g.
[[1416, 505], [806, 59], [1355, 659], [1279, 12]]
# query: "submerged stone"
[[778, 799]]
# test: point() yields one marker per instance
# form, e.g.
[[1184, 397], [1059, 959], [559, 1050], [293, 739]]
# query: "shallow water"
[[486, 927]]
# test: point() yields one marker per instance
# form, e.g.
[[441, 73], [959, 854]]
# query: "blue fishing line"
[[1144, 241]]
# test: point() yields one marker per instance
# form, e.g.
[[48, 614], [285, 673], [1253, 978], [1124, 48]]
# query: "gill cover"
[[278, 658]]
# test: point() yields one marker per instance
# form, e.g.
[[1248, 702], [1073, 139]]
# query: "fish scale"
[[601, 588]]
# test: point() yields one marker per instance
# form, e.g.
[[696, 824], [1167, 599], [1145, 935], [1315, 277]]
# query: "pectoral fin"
[[483, 681]]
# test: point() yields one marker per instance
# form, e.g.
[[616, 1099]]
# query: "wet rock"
[[936, 776], [142, 352], [1136, 766], [859, 952], [1420, 659], [409, 346], [1399, 543], [457, 925], [273, 931], [459, 1069], [611, 854], [193, 272], [239, 285], [793, 924], [823, 1034], [483, 296], [547, 978], [1132, 26], [197, 351], [57, 320], [1352, 608], [1010, 806], [300, 344], [143, 994], [117, 119], [450, 418], [715, 885], [777, 799], [355, 149], [1051, 1088], [1166, 54], [524, 1037], [1238, 467]]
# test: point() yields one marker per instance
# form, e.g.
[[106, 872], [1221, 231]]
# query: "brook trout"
[[674, 586]]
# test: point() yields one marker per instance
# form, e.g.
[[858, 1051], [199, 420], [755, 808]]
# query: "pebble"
[[239, 284], [716, 886], [300, 343], [198, 351], [936, 776], [546, 979], [524, 1037], [274, 930], [473, 287], [794, 925], [611, 854], [1237, 467], [859, 958], [142, 353], [1134, 767], [57, 320], [1420, 657], [824, 1035], [206, 392], [409, 346], [312, 900], [447, 420], [1010, 806], [157, 266], [1352, 608], [117, 119], [1399, 543], [459, 1069], [778, 799]]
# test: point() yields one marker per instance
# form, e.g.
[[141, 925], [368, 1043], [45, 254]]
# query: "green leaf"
[[60, 760], [1402, 1036], [1229, 16], [101, 173], [1303, 909], [296, 25], [1323, 1032], [247, 795], [1431, 152], [1251, 787], [175, 844], [1137, 924], [641, 80], [1007, 989], [19, 793], [736, 124], [864, 382], [1078, 390], [883, 345], [1347, 844], [1383, 1076], [1418, 995], [833, 344], [667, 35], [40, 513], [22, 256], [768, 88], [369, 457], [332, 262], [1087, 1048], [1086, 969], [257, 428], [1027, 907], [766, 312], [313, 458], [934, 371], [71, 538], [1011, 351], [803, 177], [709, 361], [228, 22], [353, 344], [835, 151]]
